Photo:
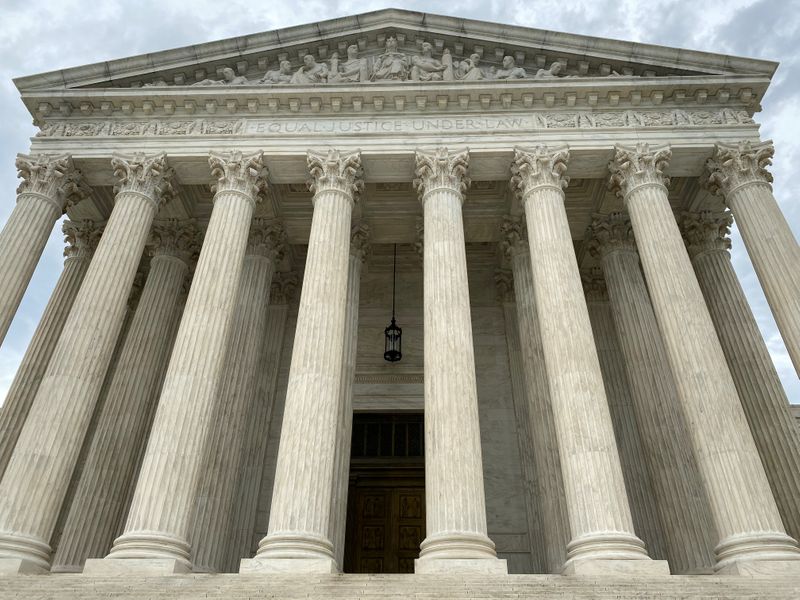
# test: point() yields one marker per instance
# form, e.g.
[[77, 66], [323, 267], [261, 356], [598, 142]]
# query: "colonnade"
[[182, 390]]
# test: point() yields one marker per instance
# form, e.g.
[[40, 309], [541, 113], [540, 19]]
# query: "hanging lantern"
[[393, 334]]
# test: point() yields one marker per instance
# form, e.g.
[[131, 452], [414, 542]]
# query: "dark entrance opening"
[[386, 498]]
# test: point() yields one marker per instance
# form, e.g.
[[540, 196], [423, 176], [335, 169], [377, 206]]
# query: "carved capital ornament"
[[735, 165], [611, 233], [441, 169], [634, 167], [335, 171], [706, 231], [539, 167], [81, 238], [238, 173], [52, 178], [267, 238], [146, 175], [594, 285], [359, 241], [180, 239], [512, 240]]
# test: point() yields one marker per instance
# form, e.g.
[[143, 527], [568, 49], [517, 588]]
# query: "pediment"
[[395, 47]]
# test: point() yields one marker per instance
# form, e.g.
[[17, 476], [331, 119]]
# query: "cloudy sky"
[[43, 35]]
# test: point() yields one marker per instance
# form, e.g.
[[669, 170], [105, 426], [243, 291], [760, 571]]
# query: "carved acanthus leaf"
[[594, 285], [359, 241], [51, 176], [145, 174], [733, 165], [237, 172], [441, 169], [538, 167], [334, 170], [512, 237], [283, 287], [706, 231], [81, 238], [639, 165], [173, 237], [610, 233], [504, 281], [267, 238]]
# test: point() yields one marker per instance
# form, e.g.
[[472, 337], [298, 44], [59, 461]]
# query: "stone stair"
[[395, 587]]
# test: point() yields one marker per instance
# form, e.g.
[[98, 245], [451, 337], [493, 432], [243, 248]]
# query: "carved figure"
[[310, 72], [283, 74], [229, 77], [550, 73], [156, 83], [352, 70], [425, 67], [469, 69], [391, 65], [510, 70]]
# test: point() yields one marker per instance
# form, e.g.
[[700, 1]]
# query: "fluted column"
[[49, 185], [126, 416], [455, 503], [601, 526], [38, 474], [763, 398], [359, 249], [158, 526], [641, 497], [739, 174], [223, 451], [259, 419], [81, 238], [552, 501], [685, 518], [752, 536], [298, 538]]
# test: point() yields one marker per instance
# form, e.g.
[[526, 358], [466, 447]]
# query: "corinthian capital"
[[594, 285], [267, 238], [51, 177], [733, 165], [640, 165], [512, 240], [504, 282], [334, 171], [181, 239], [610, 233], [359, 241], [283, 287], [706, 231], [238, 173], [81, 238], [148, 175], [441, 169], [538, 167]]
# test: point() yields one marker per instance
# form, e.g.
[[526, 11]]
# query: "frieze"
[[386, 125]]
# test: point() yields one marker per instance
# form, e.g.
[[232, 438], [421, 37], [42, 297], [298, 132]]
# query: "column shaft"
[[158, 526], [127, 414], [40, 469], [763, 398], [741, 502], [82, 239]]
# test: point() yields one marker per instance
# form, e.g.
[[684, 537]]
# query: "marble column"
[[552, 501], [223, 451], [752, 537], [49, 186], [738, 172], [359, 248], [601, 526], [641, 497], [764, 400], [81, 238], [298, 538], [455, 505], [685, 517], [39, 472], [156, 533], [127, 414], [259, 419]]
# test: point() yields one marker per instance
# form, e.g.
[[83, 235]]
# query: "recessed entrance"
[[386, 498]]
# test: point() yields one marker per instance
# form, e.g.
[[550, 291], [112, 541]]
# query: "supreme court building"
[[582, 395]]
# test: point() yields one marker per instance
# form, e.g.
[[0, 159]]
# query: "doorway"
[[386, 497]]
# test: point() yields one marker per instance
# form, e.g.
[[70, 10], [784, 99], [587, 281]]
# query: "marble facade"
[[598, 399]]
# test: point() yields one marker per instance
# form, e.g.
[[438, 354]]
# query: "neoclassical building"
[[583, 390]]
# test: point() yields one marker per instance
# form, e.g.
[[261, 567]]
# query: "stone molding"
[[633, 167], [539, 167], [335, 171], [81, 238], [238, 173], [610, 233], [147, 175], [706, 231], [735, 165], [181, 239], [51, 177], [441, 169]]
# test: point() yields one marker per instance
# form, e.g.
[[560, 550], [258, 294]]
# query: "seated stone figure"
[[352, 70], [469, 69], [229, 77], [510, 70], [283, 74], [425, 67], [311, 71], [551, 73], [391, 65]]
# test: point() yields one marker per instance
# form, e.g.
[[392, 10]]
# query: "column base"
[[477, 566], [66, 569], [745, 553], [320, 566], [20, 566], [763, 568], [611, 567], [116, 567]]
